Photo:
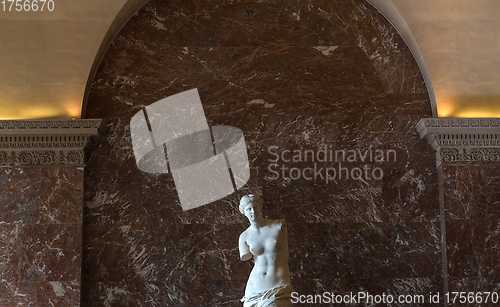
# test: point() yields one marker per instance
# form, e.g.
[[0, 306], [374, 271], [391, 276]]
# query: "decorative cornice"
[[462, 140], [460, 122], [46, 142], [474, 155], [40, 125]]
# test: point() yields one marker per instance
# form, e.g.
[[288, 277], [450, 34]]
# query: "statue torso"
[[269, 248]]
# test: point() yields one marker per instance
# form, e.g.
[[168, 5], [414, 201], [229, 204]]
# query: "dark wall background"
[[471, 199], [40, 235], [324, 73]]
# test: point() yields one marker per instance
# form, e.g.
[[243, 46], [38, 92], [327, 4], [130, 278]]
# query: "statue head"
[[247, 199], [251, 206]]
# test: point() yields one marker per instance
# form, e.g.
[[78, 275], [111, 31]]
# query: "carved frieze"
[[463, 140], [46, 142]]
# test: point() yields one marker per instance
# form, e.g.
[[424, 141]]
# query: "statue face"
[[252, 211]]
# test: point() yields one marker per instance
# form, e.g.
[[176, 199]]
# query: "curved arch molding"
[[377, 53], [387, 8]]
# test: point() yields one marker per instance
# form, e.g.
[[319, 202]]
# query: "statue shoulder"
[[280, 223], [244, 235]]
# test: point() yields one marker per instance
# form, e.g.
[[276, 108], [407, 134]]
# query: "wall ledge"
[[47, 142], [462, 140]]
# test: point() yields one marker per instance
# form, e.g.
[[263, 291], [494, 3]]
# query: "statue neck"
[[258, 223]]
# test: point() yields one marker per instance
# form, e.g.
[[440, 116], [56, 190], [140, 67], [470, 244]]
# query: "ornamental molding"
[[474, 155], [47, 142], [462, 140], [41, 125]]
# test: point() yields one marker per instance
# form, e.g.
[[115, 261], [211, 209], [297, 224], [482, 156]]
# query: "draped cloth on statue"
[[276, 297]]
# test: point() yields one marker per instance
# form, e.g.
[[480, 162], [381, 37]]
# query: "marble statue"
[[265, 240]]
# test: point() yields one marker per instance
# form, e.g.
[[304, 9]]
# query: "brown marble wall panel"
[[18, 294], [222, 44], [291, 74], [472, 227], [343, 235], [376, 37], [40, 235]]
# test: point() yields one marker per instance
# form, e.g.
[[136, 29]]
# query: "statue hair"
[[250, 198]]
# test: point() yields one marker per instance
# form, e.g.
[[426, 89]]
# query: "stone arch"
[[126, 12], [386, 7], [329, 74], [390, 11]]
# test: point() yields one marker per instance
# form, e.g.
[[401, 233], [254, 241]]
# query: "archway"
[[293, 76]]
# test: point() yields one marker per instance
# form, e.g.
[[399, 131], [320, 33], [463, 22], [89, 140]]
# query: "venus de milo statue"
[[266, 241]]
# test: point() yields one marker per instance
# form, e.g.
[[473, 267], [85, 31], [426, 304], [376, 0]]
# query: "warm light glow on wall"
[[469, 107], [73, 110], [476, 114], [445, 108], [37, 112]]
